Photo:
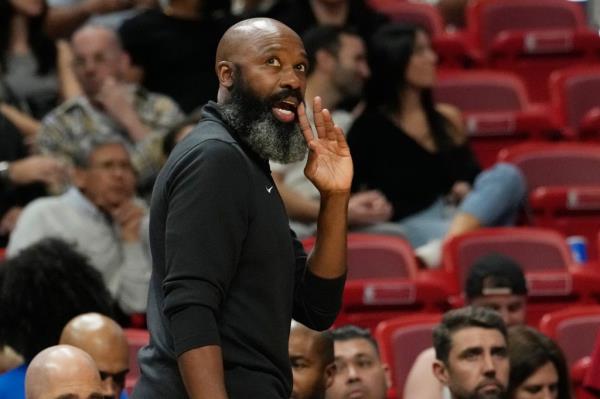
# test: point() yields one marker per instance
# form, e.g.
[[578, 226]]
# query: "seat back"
[[556, 164], [487, 19], [573, 93], [136, 339], [377, 256], [401, 340], [482, 91], [424, 15], [574, 329]]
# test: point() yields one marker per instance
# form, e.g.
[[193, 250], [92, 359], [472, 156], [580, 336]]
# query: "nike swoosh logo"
[[269, 189]]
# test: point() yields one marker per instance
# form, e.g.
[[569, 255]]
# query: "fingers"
[[329, 127], [304, 123], [318, 118]]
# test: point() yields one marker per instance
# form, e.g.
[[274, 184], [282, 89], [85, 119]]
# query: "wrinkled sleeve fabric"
[[206, 224]]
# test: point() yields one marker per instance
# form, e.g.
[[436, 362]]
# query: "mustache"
[[286, 93], [490, 381]]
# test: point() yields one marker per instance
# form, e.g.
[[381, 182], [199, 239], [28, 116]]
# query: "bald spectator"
[[62, 372], [311, 356], [109, 106], [103, 339]]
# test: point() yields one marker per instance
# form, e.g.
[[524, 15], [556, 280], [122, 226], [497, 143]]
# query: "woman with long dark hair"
[[538, 369], [416, 152], [27, 55]]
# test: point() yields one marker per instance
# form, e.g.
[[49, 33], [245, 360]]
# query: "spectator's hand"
[[459, 190], [115, 98], [9, 220], [39, 168], [129, 217], [368, 207], [329, 165]]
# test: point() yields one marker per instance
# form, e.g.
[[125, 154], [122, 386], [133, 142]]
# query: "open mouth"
[[285, 110]]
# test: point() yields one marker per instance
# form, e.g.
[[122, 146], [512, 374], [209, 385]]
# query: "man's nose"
[[489, 366], [352, 373], [111, 390], [290, 78]]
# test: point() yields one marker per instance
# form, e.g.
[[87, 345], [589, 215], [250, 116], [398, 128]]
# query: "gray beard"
[[265, 135]]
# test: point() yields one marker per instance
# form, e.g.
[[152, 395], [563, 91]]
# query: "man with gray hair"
[[101, 216], [108, 106]]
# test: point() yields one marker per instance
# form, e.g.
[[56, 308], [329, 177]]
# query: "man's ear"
[[440, 371], [79, 177], [225, 73], [388, 375], [330, 371]]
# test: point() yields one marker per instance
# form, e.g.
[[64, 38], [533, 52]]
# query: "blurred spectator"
[[101, 217], [337, 72], [311, 356], [62, 372], [471, 353], [302, 15], [109, 105], [537, 366], [27, 55], [495, 282], [65, 16], [250, 7], [179, 131], [591, 381], [416, 152], [41, 289], [104, 340], [21, 176], [359, 370], [175, 49]]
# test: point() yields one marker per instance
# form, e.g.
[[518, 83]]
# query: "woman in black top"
[[416, 151]]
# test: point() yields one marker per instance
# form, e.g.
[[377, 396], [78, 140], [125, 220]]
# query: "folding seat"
[[384, 281], [532, 38], [137, 339], [574, 329], [553, 279], [575, 99], [400, 341], [453, 49], [496, 110], [564, 186]]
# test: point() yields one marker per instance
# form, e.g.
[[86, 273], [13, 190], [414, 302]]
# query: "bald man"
[[228, 275], [62, 372], [311, 357], [103, 339]]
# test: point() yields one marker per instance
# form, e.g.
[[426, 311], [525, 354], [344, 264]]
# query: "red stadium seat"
[[496, 110], [564, 186], [384, 281], [137, 339], [400, 341], [574, 329], [575, 97], [453, 49], [552, 278], [532, 38]]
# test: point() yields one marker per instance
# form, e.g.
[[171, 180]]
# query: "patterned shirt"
[[65, 128]]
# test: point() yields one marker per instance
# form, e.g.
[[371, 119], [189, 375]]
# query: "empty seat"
[[575, 97], [574, 329], [383, 281], [532, 38], [564, 185], [552, 278], [401, 340], [496, 110]]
